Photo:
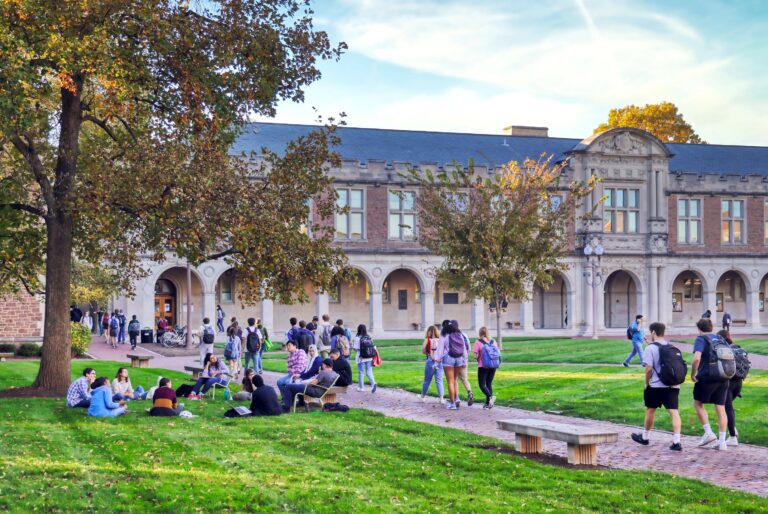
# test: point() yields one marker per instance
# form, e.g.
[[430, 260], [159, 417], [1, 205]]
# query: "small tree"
[[662, 120], [498, 234]]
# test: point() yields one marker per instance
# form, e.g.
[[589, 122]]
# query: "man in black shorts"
[[706, 389], [656, 392]]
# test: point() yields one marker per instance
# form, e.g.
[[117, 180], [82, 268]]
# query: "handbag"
[[268, 345], [376, 359]]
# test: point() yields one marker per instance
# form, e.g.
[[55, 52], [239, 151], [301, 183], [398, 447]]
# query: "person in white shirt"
[[207, 336]]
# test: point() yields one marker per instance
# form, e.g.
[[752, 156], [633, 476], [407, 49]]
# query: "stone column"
[[652, 195], [322, 305], [526, 316], [478, 314], [377, 316], [587, 303], [753, 309], [209, 307], [660, 200], [268, 315], [427, 308], [652, 306]]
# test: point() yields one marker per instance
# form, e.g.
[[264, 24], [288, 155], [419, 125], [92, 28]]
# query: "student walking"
[[463, 371], [365, 349], [710, 386], [253, 345], [454, 358], [232, 351], [637, 332], [433, 366], [207, 336], [220, 319], [134, 331], [734, 391], [660, 389], [488, 356]]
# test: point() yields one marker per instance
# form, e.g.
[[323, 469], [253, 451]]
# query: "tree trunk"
[[54, 373], [498, 323]]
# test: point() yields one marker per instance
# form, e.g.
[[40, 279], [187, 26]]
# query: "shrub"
[[29, 350], [7, 348], [81, 338]]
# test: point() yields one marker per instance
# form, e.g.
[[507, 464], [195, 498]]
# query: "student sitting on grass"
[[264, 399], [164, 400], [246, 389], [122, 389], [102, 405], [79, 392]]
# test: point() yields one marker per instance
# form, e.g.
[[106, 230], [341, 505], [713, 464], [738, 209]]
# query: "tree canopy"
[[499, 233], [662, 120], [116, 121]]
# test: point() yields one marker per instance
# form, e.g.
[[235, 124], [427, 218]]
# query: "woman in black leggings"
[[484, 375], [734, 391]]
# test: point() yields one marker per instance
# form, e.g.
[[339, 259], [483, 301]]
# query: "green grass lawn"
[[58, 460], [752, 345], [597, 392]]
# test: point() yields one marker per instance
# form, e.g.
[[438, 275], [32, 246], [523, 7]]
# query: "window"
[[417, 292], [621, 210], [349, 225], [384, 292], [450, 298], [334, 295], [692, 289], [765, 222], [306, 226], [732, 215], [226, 287], [689, 221], [402, 215], [677, 302], [733, 289], [460, 200]]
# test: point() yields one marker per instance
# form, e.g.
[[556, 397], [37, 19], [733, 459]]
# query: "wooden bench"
[[513, 324], [330, 396], [195, 370], [139, 361], [416, 326], [582, 441]]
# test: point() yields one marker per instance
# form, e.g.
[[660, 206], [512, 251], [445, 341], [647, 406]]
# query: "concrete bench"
[[139, 361], [582, 441], [330, 396], [195, 370]]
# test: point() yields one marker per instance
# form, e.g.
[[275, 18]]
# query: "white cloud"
[[563, 64]]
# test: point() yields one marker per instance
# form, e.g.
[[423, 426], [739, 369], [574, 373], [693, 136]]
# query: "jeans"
[[282, 382], [206, 383], [121, 335], [82, 404], [289, 391], [220, 325], [138, 394], [205, 349], [366, 367], [133, 336], [637, 349], [259, 367], [433, 369], [485, 381], [256, 358]]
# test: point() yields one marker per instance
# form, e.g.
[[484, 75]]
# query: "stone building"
[[684, 229]]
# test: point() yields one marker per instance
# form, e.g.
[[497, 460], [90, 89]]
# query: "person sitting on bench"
[[315, 388]]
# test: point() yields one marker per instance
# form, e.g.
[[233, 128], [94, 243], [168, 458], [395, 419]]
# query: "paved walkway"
[[746, 465]]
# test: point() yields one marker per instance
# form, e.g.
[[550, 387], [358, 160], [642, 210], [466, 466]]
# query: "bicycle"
[[178, 338]]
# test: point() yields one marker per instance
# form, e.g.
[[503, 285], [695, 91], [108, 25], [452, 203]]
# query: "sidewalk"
[[743, 468]]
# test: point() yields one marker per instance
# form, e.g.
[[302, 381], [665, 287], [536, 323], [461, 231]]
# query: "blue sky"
[[464, 66]]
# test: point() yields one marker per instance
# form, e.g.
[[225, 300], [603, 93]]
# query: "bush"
[[29, 350], [81, 338], [7, 348]]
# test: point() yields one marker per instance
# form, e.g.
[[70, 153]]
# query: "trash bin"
[[146, 336]]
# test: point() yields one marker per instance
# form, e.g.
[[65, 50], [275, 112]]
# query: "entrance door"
[[165, 307]]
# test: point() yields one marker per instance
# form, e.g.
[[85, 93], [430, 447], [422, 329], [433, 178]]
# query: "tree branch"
[[219, 255], [27, 149], [103, 124], [24, 207], [127, 127]]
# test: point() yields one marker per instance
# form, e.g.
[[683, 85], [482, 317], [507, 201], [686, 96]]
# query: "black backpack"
[[630, 332], [672, 367], [367, 350], [253, 343], [722, 364], [741, 356], [208, 335], [303, 340], [134, 326]]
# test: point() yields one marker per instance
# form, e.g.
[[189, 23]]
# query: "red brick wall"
[[20, 316], [711, 220]]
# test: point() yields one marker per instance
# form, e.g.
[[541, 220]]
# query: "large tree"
[[116, 119], [662, 120], [500, 233]]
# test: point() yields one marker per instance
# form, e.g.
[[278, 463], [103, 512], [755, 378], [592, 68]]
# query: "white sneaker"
[[452, 407], [732, 441], [720, 446], [492, 402], [707, 438], [361, 389], [442, 401], [423, 399]]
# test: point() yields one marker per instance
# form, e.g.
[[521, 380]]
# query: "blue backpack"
[[490, 357], [114, 324]]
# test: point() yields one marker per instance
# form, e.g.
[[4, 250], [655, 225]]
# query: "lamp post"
[[593, 251]]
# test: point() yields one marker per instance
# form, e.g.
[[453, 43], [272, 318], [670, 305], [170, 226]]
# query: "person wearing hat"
[[264, 399]]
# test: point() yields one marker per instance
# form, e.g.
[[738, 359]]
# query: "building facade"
[[684, 229]]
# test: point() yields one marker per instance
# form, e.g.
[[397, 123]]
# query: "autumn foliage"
[[662, 120]]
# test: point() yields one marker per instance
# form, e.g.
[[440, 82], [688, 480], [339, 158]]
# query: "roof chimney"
[[520, 130]]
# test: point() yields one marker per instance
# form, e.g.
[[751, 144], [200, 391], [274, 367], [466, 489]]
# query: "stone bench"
[[139, 361], [513, 324], [416, 326], [330, 396], [582, 441], [195, 370]]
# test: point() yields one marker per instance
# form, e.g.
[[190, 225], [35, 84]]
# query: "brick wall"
[[20, 316], [711, 226]]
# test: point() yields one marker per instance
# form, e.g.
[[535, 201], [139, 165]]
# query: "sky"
[[479, 66]]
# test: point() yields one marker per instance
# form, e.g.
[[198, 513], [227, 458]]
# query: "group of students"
[[250, 342], [718, 370], [447, 351]]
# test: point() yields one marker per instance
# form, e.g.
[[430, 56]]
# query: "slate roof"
[[416, 147]]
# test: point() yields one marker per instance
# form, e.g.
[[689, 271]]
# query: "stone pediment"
[[623, 141]]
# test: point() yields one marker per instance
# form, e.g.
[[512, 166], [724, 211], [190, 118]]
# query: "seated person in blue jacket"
[[213, 373], [79, 392], [314, 361], [315, 387], [102, 405]]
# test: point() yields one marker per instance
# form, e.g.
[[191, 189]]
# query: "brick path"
[[744, 467]]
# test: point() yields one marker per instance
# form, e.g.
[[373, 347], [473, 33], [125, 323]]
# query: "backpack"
[[253, 341], [490, 358], [134, 326], [229, 349], [208, 335], [630, 332], [456, 345], [348, 333], [741, 356], [672, 366], [303, 339], [325, 338], [722, 364], [367, 350], [114, 324], [342, 343]]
